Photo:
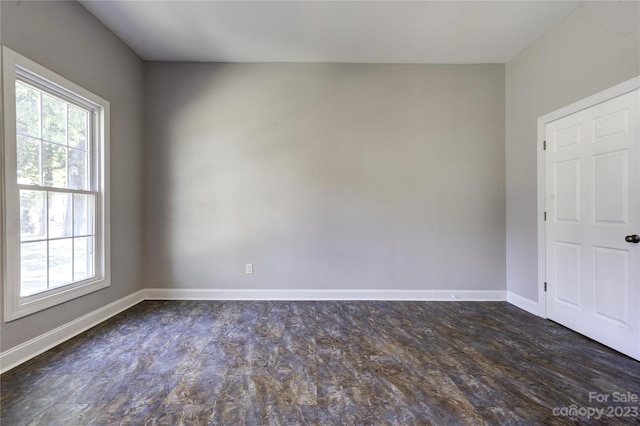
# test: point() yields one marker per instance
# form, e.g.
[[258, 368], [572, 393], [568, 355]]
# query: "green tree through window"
[[52, 152]]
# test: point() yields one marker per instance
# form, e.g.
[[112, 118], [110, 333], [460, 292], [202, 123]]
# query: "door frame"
[[600, 97]]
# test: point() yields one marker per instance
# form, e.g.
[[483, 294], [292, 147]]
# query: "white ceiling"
[[436, 32]]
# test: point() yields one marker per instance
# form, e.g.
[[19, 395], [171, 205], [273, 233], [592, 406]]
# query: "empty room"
[[320, 212]]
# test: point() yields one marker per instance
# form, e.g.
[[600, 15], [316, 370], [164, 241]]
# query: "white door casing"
[[592, 202]]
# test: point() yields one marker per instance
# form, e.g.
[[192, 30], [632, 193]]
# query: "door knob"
[[635, 239]]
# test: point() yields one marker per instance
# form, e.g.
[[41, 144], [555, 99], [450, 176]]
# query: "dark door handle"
[[635, 239]]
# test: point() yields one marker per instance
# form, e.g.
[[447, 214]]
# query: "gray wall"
[[325, 176], [593, 49], [67, 39]]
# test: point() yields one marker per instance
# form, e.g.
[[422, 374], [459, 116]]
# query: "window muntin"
[[55, 235]]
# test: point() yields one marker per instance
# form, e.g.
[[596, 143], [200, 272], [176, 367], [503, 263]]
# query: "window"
[[56, 198]]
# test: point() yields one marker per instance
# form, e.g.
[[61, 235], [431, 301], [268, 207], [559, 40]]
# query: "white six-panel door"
[[593, 204]]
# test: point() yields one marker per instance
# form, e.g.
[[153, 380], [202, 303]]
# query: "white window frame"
[[17, 67]]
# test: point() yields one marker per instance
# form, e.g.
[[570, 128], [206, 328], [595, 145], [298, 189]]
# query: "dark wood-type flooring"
[[325, 363]]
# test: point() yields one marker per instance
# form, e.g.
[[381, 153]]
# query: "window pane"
[[28, 166], [54, 165], [32, 215], [27, 110], [60, 218], [78, 128], [60, 262], [33, 268], [54, 119], [83, 214], [78, 169], [82, 258]]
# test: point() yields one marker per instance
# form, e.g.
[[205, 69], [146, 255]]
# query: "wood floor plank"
[[322, 363]]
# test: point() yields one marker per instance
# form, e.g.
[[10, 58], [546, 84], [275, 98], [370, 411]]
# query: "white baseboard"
[[333, 294], [524, 304], [27, 350]]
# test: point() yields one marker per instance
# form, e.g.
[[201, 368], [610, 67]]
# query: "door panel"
[[611, 187], [612, 284], [592, 203], [610, 125], [567, 189], [567, 137], [568, 273]]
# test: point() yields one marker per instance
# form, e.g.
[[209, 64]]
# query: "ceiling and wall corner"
[[414, 32], [65, 38]]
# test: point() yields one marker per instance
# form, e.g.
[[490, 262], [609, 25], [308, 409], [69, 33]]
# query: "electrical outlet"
[[248, 268]]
